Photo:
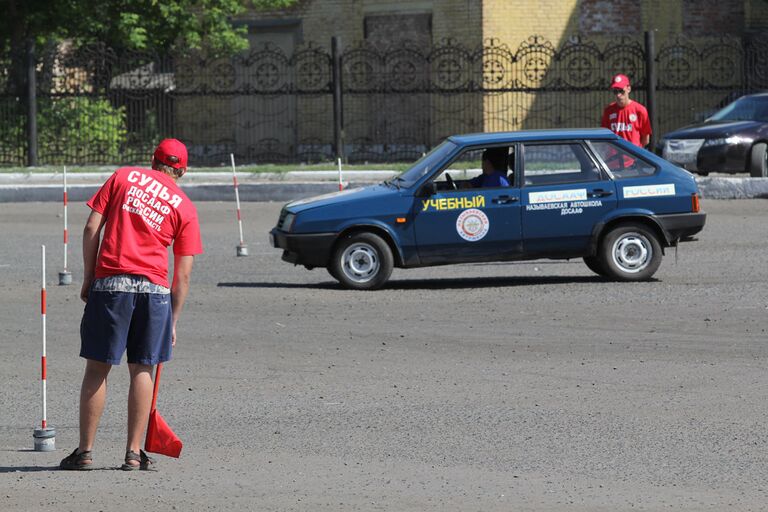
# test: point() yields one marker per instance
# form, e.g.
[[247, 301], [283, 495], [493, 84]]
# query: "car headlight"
[[287, 222], [723, 141]]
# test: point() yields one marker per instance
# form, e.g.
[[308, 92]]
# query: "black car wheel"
[[630, 252], [362, 261], [595, 265], [758, 165]]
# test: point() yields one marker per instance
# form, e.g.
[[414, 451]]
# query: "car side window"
[[621, 163], [477, 168], [553, 164]]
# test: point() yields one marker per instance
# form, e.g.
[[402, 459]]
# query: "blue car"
[[524, 195]]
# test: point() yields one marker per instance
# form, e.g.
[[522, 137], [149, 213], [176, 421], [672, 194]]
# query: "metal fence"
[[95, 106]]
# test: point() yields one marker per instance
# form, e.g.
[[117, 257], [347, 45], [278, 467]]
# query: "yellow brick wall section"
[[664, 16], [514, 22]]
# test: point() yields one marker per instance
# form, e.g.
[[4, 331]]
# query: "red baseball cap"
[[172, 152], [619, 82]]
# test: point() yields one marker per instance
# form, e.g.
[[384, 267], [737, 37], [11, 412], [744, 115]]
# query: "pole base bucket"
[[45, 439], [242, 250], [65, 278]]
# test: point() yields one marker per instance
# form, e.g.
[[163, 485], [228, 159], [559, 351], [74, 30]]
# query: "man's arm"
[[91, 234], [645, 140], [182, 272]]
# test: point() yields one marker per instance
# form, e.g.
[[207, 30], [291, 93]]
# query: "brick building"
[[376, 123]]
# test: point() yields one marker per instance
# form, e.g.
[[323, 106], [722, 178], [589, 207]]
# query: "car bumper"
[[720, 158], [730, 159], [682, 225], [311, 250]]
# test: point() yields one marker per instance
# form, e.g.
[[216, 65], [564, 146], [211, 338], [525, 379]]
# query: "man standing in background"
[[625, 117]]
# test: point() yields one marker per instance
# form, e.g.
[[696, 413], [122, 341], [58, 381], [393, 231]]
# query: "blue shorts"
[[112, 322]]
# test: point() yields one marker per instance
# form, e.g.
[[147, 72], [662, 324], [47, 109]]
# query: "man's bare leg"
[[139, 403], [93, 395]]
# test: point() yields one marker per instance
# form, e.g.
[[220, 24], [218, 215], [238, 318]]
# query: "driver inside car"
[[494, 169]]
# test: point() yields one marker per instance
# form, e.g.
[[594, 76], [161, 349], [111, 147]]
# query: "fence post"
[[650, 77], [337, 104], [31, 105]]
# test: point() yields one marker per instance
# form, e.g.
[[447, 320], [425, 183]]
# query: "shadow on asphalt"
[[40, 469], [27, 469], [439, 284]]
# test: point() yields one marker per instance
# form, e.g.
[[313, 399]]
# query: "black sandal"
[[77, 461], [145, 463]]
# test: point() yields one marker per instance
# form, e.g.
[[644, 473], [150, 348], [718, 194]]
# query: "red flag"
[[160, 438]]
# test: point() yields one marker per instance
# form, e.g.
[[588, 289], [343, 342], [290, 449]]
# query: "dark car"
[[733, 140], [567, 194]]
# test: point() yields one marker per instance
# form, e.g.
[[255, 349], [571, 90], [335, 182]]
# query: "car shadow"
[[439, 283]]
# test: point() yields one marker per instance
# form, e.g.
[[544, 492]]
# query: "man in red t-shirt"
[[625, 117], [130, 305]]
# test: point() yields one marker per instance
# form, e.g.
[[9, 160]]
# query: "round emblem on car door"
[[472, 225]]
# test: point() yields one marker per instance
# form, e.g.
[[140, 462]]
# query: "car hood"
[[713, 130], [353, 194]]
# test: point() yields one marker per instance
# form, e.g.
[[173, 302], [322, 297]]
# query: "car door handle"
[[504, 199], [598, 192]]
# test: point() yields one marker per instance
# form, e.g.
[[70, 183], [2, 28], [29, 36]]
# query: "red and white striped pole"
[[341, 184], [65, 277], [43, 366], [242, 249], [45, 437]]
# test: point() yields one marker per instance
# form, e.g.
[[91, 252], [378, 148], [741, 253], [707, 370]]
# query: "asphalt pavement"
[[530, 386]]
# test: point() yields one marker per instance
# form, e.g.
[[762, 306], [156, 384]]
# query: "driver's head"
[[494, 159]]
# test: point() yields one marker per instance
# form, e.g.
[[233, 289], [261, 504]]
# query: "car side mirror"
[[429, 189]]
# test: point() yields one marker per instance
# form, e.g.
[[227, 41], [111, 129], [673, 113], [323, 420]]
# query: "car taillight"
[[695, 203]]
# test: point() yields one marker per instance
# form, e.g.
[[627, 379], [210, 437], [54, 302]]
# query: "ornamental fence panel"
[[99, 106]]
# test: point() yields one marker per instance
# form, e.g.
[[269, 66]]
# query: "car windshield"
[[425, 164], [744, 109]]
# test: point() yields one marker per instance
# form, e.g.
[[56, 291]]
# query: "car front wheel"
[[362, 261], [758, 167], [630, 252], [595, 265]]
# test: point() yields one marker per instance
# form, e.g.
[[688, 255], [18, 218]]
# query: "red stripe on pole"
[[65, 198], [66, 236], [45, 424], [42, 301], [45, 373], [238, 214], [234, 178]]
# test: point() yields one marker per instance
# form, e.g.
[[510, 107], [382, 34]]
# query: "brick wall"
[[705, 17], [611, 16]]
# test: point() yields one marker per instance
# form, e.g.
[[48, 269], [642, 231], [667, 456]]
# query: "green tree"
[[135, 24]]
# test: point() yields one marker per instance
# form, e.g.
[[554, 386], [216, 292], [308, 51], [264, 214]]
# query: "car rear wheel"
[[630, 252], [362, 261], [758, 167], [595, 265]]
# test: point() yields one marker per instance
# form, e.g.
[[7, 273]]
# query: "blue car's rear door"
[[564, 195]]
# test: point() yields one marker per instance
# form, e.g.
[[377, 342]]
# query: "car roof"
[[760, 95], [471, 139]]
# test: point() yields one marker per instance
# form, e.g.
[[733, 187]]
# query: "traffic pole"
[[45, 436], [65, 277], [242, 249], [341, 184]]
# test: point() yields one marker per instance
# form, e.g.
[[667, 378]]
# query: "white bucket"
[[65, 278], [45, 439]]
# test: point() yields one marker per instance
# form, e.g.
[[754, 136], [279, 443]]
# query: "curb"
[[287, 189], [197, 192]]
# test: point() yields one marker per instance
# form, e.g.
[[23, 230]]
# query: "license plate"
[[272, 240]]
